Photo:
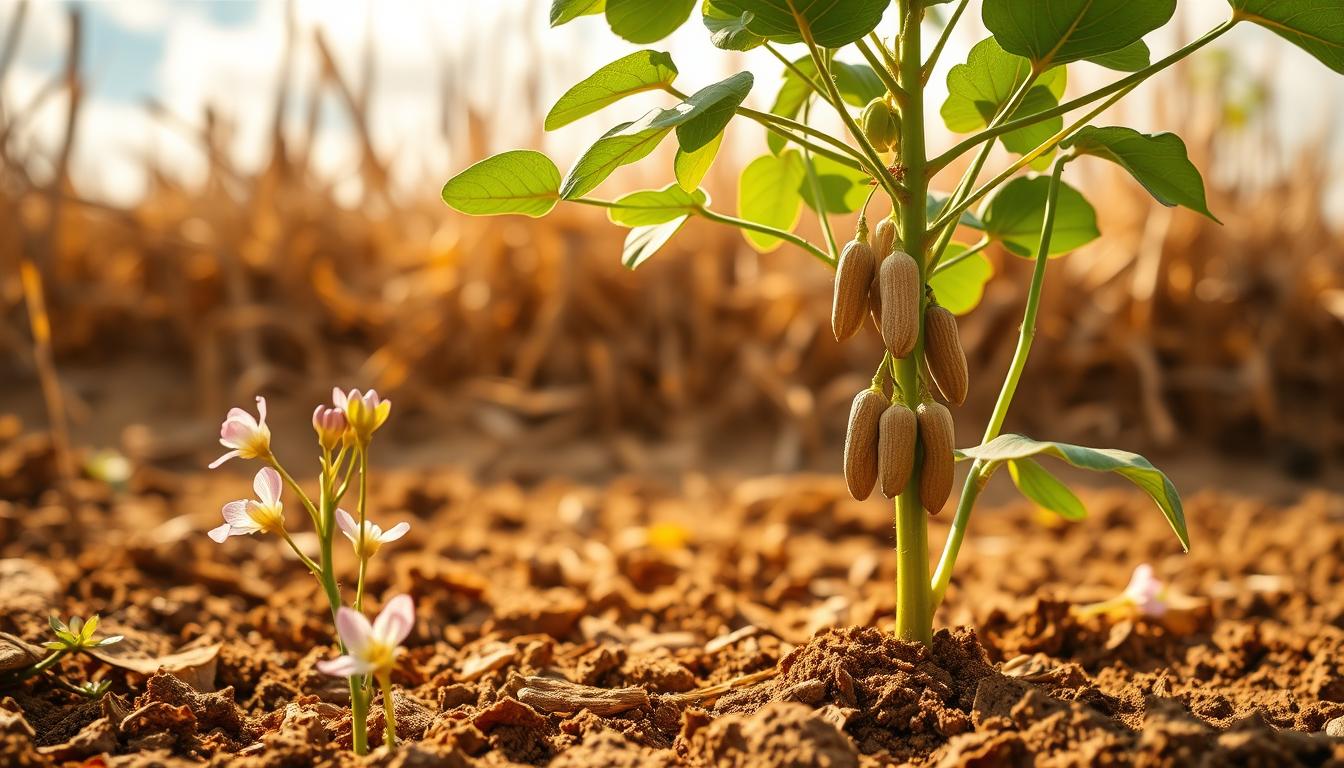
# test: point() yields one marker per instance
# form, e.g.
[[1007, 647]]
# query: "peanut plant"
[[869, 62]]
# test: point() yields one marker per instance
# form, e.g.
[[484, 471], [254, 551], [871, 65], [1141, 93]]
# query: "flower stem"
[[363, 509], [980, 471], [389, 709], [359, 716], [296, 488], [914, 616], [767, 230], [932, 61]]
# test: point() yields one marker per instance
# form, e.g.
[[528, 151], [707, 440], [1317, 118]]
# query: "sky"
[[187, 54]]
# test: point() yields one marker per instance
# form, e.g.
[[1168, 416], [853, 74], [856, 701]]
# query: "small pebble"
[[1335, 728]]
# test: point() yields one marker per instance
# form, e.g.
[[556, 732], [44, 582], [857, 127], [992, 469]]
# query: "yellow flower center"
[[380, 655], [271, 519]]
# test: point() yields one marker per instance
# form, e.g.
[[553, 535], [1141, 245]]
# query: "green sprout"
[[75, 637]]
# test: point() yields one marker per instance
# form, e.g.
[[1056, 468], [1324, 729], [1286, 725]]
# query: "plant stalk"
[[914, 614], [980, 471]]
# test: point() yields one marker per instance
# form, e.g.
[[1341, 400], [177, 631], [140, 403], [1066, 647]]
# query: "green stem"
[[914, 615], [298, 489], [980, 471], [979, 246], [359, 716], [306, 560], [951, 216], [1123, 83], [768, 230], [363, 510], [327, 534], [814, 184], [389, 713], [972, 173], [42, 666], [880, 68], [927, 70], [789, 65], [879, 169]]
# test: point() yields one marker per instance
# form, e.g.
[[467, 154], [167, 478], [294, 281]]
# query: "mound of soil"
[[712, 624]]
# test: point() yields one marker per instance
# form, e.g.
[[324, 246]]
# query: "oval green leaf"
[[521, 181], [630, 142], [960, 284], [1131, 466], [1157, 161], [978, 89], [833, 23], [655, 206], [1131, 58], [1315, 26], [843, 189], [565, 11], [1013, 216], [638, 72], [768, 193], [1038, 485], [647, 21], [728, 31], [643, 242], [690, 167], [1051, 32]]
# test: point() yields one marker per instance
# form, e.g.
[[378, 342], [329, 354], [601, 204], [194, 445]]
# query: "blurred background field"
[[223, 199]]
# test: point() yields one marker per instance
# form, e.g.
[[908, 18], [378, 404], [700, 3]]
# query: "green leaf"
[[768, 193], [960, 287], [54, 645], [1013, 216], [1131, 58], [647, 21], [1027, 138], [638, 72], [57, 625], [565, 11], [833, 23], [1037, 484], [843, 189], [70, 639], [858, 84], [655, 206], [690, 167], [86, 632], [1051, 32], [979, 89], [643, 242], [1159, 162], [935, 202], [1131, 466], [630, 142], [728, 30], [521, 181], [711, 109], [1315, 26]]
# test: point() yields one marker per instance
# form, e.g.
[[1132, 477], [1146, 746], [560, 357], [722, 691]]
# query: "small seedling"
[[74, 637], [912, 275], [344, 432]]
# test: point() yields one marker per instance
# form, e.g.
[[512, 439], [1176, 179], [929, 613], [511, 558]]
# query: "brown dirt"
[[633, 600]]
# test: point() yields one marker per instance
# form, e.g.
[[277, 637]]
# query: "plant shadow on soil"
[[705, 623]]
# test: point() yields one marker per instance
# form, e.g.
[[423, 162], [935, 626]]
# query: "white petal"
[[396, 620], [347, 523], [261, 410], [220, 534], [354, 630], [395, 532], [224, 458], [338, 398], [343, 666], [267, 486], [235, 513]]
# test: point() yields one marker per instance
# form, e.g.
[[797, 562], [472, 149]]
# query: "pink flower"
[[1146, 592], [373, 537], [247, 516], [371, 648], [365, 412], [248, 437], [330, 425]]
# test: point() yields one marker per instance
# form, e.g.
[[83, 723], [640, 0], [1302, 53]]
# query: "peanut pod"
[[895, 449], [861, 442], [898, 283], [884, 234], [944, 355], [853, 276], [936, 436]]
